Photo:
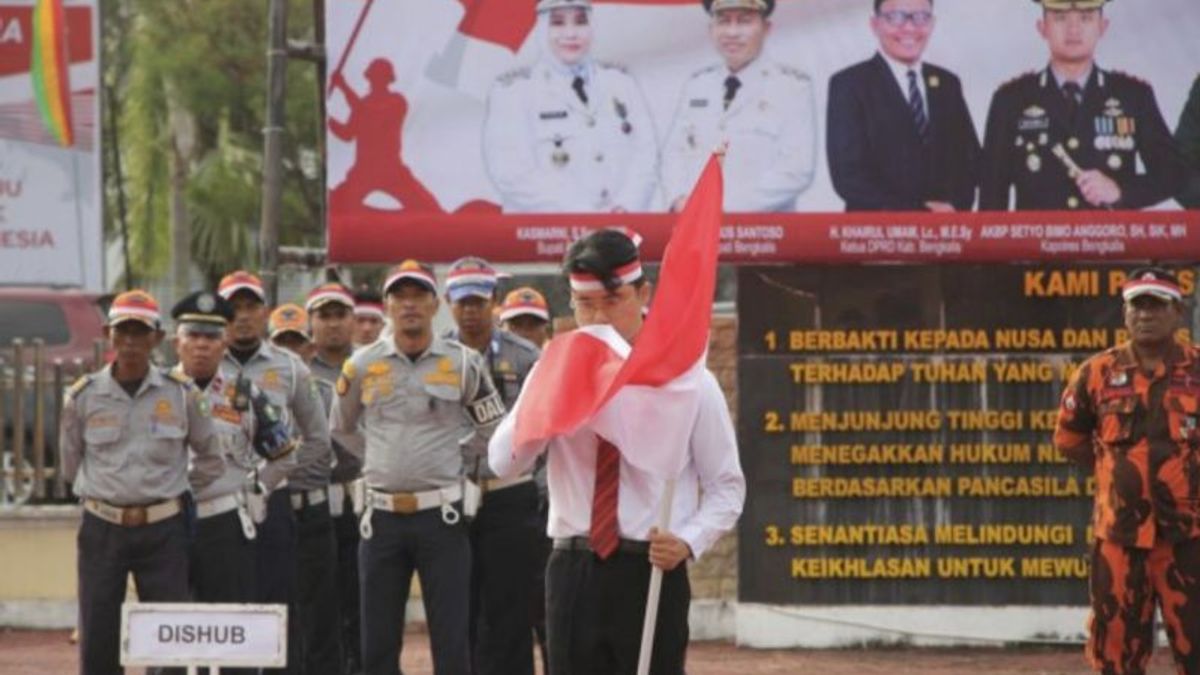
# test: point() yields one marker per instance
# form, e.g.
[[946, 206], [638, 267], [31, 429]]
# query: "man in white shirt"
[[603, 509]]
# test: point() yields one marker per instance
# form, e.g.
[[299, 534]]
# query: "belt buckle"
[[133, 516], [404, 502]]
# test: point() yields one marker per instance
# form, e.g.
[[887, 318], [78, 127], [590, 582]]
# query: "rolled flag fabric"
[[51, 81], [652, 383]]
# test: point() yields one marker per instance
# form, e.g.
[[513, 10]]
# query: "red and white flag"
[[581, 372]]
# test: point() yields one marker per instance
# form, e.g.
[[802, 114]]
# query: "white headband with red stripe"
[[369, 309], [626, 274], [1162, 289], [324, 295]]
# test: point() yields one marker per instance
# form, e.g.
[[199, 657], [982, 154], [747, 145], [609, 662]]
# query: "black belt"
[[582, 544]]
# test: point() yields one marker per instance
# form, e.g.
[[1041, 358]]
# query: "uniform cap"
[[136, 305], [368, 303], [1063, 5], [286, 318], [1153, 281], [203, 311], [411, 270], [471, 277], [326, 293], [524, 301], [764, 6], [547, 5], [241, 280]]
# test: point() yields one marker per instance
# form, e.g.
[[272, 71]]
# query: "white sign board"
[[194, 634], [50, 178]]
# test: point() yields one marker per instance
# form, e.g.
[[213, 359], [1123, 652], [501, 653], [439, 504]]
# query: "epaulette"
[[613, 66], [1126, 76], [792, 71], [515, 74], [1022, 76], [178, 376], [79, 385]]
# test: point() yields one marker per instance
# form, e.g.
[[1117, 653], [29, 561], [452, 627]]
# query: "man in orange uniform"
[[1130, 414]]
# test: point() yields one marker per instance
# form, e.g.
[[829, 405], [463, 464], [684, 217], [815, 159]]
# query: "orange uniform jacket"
[[1141, 434]]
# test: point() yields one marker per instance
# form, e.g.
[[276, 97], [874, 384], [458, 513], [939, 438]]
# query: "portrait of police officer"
[[1187, 135], [569, 133], [331, 317], [764, 109], [289, 386], [506, 532], [1074, 135], [899, 134], [412, 397], [124, 438], [317, 580], [255, 446]]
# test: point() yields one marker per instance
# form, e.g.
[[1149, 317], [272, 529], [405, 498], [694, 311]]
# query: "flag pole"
[[656, 576]]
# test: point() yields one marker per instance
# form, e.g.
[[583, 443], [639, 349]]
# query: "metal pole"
[[39, 420], [268, 234], [4, 387], [18, 449], [60, 485], [656, 575], [97, 355]]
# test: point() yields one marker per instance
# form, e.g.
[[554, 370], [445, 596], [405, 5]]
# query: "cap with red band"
[[136, 305], [411, 270], [326, 293], [1152, 281], [241, 280], [524, 301]]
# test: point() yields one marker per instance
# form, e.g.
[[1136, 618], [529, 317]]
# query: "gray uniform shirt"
[[131, 451], [236, 431], [508, 359], [347, 466], [290, 386], [414, 412]]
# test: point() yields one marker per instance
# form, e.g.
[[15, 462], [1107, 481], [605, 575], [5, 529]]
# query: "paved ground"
[[38, 653]]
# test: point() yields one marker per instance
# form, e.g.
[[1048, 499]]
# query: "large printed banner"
[[482, 126], [51, 230]]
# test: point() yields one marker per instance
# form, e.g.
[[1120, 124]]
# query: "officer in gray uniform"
[[256, 447], [763, 109], [124, 438], [506, 530], [414, 396], [569, 133], [331, 308], [289, 386]]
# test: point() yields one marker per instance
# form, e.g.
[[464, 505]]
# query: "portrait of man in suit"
[[899, 135]]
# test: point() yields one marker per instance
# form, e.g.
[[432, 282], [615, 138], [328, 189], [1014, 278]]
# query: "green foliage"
[[190, 77]]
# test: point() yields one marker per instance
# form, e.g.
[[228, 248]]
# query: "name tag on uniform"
[[698, 103], [553, 115], [486, 410], [1033, 123]]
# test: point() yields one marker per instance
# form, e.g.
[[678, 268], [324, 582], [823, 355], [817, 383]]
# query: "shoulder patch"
[[509, 77], [609, 65], [794, 72], [79, 385]]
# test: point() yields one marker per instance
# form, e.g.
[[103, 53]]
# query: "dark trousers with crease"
[[317, 591], [156, 555], [345, 529], [440, 554], [504, 554], [223, 567], [594, 613], [276, 558]]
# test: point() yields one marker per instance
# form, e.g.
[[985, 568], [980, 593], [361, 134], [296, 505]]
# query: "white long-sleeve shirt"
[[709, 492]]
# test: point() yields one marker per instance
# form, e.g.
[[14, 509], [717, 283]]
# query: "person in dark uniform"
[[255, 445], [406, 402], [506, 531], [1071, 136], [124, 438], [1187, 135], [900, 136]]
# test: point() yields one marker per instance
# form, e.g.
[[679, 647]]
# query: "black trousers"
[[345, 529], [504, 557], [156, 555], [223, 567], [594, 613], [537, 603], [317, 591], [441, 555], [276, 558]]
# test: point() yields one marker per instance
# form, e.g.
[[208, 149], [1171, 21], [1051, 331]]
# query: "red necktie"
[[604, 535]]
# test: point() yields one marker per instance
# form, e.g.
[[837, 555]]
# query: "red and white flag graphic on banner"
[[582, 372]]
